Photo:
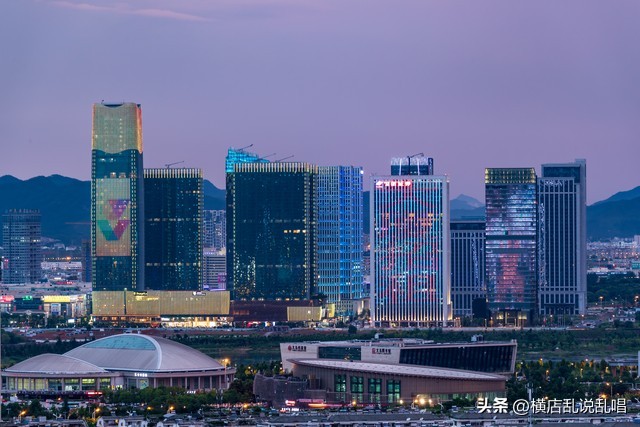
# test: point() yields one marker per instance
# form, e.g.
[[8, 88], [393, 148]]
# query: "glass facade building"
[[340, 264], [117, 197], [467, 266], [511, 249], [272, 223], [22, 244], [173, 229], [562, 237], [410, 257]]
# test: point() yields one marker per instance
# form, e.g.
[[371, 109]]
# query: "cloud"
[[126, 10]]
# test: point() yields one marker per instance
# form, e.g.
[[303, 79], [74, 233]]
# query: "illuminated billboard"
[[113, 217]]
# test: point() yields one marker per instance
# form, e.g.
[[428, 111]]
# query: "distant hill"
[[65, 206], [617, 216], [622, 195], [65, 203], [466, 207]]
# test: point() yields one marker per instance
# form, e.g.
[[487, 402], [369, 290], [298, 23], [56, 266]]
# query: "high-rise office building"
[[22, 243], [215, 270], [215, 229], [511, 249], [410, 257], [562, 239], [467, 266], [340, 263], [272, 230], [116, 198], [173, 201]]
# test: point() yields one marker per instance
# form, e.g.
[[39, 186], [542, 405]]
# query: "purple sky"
[[473, 84]]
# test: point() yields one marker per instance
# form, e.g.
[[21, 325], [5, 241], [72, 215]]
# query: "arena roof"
[[55, 364], [390, 369], [136, 352]]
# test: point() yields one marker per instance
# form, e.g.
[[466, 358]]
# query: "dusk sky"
[[473, 84]]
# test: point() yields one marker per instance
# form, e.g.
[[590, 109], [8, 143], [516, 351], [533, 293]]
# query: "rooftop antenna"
[[284, 158], [168, 165]]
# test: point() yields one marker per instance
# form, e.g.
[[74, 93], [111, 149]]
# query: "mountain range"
[[65, 206], [65, 203]]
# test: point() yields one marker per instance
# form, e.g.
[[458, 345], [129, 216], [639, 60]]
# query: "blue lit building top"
[[237, 156]]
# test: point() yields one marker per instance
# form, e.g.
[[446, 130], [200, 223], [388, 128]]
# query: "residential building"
[[215, 229], [21, 240]]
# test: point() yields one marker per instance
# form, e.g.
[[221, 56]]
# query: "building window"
[[375, 390], [393, 391], [341, 383], [357, 388]]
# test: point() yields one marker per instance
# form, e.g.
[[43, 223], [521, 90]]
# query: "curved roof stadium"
[[135, 352], [128, 360], [55, 364]]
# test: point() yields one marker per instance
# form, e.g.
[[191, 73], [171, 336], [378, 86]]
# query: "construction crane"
[[244, 148], [284, 158], [168, 165], [267, 156], [412, 156]]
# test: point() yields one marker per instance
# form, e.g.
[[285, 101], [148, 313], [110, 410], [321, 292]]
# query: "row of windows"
[[374, 387]]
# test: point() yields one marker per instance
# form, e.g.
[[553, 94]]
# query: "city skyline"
[[516, 81]]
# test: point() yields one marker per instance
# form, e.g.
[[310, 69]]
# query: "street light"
[[610, 389], [96, 410], [225, 362]]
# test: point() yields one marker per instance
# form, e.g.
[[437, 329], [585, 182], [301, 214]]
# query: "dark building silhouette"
[[173, 228], [272, 230]]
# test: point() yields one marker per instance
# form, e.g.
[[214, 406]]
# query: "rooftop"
[[409, 370]]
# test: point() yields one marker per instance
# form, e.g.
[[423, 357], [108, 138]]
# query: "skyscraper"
[[340, 265], [22, 243], [410, 258], [562, 238], [272, 230], [467, 266], [511, 250], [215, 229], [173, 229], [116, 198]]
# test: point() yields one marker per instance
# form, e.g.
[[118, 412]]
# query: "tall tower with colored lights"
[[410, 264], [117, 255]]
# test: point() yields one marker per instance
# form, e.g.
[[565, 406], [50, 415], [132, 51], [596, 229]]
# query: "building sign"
[[140, 374], [385, 351], [394, 183], [297, 348]]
